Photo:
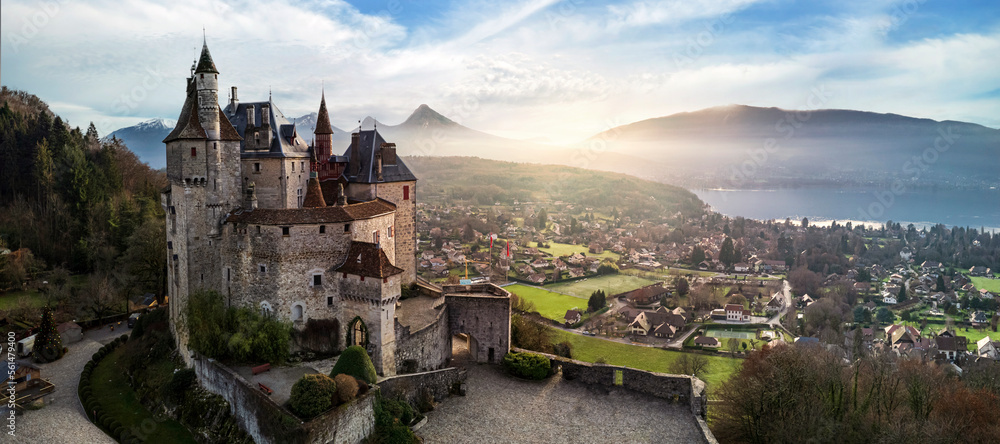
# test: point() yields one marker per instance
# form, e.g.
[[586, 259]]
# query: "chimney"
[[355, 160], [378, 167], [251, 121], [233, 102], [341, 198], [250, 197]]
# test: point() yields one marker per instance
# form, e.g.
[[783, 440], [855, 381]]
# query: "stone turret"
[[206, 78]]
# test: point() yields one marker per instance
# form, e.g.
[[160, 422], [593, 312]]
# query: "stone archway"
[[357, 333], [464, 347]]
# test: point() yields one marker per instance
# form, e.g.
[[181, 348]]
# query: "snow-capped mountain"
[[145, 139]]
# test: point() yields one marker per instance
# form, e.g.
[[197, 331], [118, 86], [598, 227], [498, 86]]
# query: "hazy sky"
[[521, 69]]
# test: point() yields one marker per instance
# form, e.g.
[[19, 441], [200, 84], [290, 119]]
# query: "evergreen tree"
[[902, 294], [597, 301], [697, 255], [940, 283], [727, 254], [48, 344]]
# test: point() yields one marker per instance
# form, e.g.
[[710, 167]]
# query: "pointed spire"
[[205, 63], [323, 118]]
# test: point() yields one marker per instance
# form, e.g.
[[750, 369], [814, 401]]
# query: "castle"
[[260, 216]]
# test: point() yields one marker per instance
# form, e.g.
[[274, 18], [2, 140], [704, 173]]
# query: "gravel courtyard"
[[62, 420], [502, 409]]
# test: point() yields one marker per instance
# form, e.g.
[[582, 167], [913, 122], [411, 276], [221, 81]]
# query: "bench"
[[265, 389], [260, 369]]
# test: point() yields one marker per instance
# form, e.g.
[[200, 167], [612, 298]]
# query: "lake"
[[974, 209]]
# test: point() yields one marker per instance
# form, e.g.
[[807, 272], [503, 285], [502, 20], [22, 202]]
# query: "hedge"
[[354, 361], [94, 410], [527, 365]]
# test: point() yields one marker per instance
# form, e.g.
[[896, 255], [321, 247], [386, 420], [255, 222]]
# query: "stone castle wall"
[[484, 317], [267, 422], [426, 349], [411, 387], [406, 248]]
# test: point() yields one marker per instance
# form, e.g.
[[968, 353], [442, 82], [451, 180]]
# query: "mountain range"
[[735, 146]]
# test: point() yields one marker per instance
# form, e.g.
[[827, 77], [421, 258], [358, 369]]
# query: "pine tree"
[[48, 345]]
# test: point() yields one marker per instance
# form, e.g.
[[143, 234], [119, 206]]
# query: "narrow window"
[[293, 167], [347, 228], [215, 145], [194, 152], [175, 258], [317, 280], [284, 231], [322, 229], [262, 268], [375, 237], [258, 229], [329, 301], [170, 245], [256, 167], [390, 231], [406, 192]]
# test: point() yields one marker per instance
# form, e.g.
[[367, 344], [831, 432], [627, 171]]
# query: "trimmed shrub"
[[362, 386], [347, 387], [312, 394], [354, 361], [527, 365]]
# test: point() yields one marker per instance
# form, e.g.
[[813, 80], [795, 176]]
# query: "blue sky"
[[561, 70]]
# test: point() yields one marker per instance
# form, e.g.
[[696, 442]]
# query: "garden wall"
[[267, 422], [437, 383]]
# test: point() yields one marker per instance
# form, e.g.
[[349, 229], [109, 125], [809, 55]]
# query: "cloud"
[[520, 80], [644, 13]]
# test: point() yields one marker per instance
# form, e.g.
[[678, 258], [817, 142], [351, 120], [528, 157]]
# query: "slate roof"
[[285, 140], [205, 63], [369, 142], [295, 216], [189, 127], [367, 259], [323, 118], [706, 341]]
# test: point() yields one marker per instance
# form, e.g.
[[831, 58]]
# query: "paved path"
[[502, 409], [62, 420]]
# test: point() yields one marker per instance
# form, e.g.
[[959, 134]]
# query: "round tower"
[[206, 78]]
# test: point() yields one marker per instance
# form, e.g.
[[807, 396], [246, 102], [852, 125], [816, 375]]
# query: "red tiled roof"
[[314, 195], [294, 216], [367, 259]]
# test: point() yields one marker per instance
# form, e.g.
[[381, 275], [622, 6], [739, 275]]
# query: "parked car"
[[132, 318]]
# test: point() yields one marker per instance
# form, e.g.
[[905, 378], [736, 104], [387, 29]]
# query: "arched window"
[[297, 312]]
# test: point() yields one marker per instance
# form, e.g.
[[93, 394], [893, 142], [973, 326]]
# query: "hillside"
[[484, 182], [725, 147]]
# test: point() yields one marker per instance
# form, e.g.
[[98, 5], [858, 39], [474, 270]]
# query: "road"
[[786, 290], [62, 420]]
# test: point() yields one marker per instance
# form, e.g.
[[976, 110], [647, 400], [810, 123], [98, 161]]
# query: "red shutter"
[[194, 152], [406, 192]]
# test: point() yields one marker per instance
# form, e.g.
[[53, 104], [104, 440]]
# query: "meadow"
[[557, 250], [592, 349], [991, 285], [549, 304], [612, 284]]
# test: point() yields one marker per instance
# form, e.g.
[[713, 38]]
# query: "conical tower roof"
[[205, 63], [323, 119]]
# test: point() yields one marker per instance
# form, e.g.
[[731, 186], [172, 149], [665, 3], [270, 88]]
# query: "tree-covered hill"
[[486, 182], [73, 201]]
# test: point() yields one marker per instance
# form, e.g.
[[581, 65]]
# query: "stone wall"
[[412, 387], [482, 312], [682, 389], [405, 223], [426, 349], [267, 422]]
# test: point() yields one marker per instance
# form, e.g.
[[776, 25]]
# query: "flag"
[[491, 242], [508, 248]]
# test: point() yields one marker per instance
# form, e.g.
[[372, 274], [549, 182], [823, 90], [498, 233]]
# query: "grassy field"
[[991, 285], [972, 335], [11, 299], [590, 349], [558, 250], [111, 388], [612, 284], [550, 305]]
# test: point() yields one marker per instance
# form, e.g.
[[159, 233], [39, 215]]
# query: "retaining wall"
[[437, 383]]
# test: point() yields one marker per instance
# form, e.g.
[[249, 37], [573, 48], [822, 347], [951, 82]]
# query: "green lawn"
[[558, 250], [668, 274], [112, 390], [590, 349], [11, 299], [991, 285], [549, 304], [612, 284], [936, 324]]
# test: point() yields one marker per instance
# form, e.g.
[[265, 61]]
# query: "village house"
[[706, 341], [736, 313], [647, 295], [572, 317], [662, 323], [987, 348]]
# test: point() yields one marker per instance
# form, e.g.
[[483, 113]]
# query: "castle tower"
[[203, 168], [323, 132]]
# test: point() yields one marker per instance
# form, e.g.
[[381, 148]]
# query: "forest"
[[81, 227]]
